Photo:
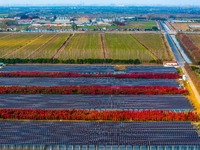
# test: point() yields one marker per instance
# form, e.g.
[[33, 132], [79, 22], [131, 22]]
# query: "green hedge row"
[[73, 61]]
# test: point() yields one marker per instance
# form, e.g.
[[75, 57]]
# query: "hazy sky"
[[102, 2]]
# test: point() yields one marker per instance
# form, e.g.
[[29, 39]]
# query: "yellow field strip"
[[50, 40], [12, 54]]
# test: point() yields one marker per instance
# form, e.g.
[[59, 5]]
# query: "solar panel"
[[98, 102], [98, 133], [85, 81], [62, 68]]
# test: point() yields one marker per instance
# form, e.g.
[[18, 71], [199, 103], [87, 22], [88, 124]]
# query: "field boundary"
[[61, 48], [154, 55], [52, 38], [17, 49], [103, 46]]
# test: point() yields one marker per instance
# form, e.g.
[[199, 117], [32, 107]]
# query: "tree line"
[[74, 61]]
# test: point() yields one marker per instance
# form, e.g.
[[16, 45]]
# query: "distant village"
[[63, 24]]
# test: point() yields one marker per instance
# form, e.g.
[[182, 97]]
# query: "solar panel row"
[[87, 69], [98, 133], [85, 81], [99, 102]]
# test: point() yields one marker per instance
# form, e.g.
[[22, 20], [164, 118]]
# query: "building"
[[82, 20], [25, 21], [63, 20]]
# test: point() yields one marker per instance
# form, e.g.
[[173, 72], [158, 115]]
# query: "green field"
[[145, 47], [124, 46], [141, 24], [83, 46], [49, 49], [155, 43]]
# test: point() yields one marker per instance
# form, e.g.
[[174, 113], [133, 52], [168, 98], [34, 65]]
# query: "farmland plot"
[[154, 43], [185, 26], [50, 48], [190, 43], [140, 25], [4, 35], [83, 46], [11, 43], [28, 49], [123, 46], [195, 39]]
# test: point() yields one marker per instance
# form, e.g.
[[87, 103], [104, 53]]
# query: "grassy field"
[[124, 46], [145, 47], [156, 44], [83, 46], [141, 25]]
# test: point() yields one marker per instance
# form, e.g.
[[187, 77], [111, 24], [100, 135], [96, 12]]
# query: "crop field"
[[190, 43], [155, 44], [10, 44], [50, 48], [195, 39], [145, 47], [141, 25], [31, 47], [83, 46], [124, 46], [4, 35], [185, 26]]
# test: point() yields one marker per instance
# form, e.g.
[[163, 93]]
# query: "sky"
[[102, 2]]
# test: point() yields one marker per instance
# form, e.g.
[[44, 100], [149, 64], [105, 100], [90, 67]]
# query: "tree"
[[74, 26], [24, 16], [11, 22], [155, 28]]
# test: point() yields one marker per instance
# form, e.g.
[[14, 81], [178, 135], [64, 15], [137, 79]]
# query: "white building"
[[65, 20]]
